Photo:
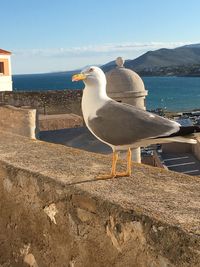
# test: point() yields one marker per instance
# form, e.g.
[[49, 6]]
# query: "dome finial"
[[120, 62]]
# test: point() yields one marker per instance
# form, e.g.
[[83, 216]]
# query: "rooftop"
[[4, 52]]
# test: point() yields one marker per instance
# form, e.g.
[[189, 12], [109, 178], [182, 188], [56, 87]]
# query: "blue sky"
[[47, 35]]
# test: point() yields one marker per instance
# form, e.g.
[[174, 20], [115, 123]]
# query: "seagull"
[[123, 126]]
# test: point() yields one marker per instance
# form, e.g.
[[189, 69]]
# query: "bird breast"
[[92, 101]]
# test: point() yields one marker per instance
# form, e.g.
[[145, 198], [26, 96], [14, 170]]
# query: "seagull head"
[[91, 76]]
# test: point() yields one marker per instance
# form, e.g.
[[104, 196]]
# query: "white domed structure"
[[125, 85]]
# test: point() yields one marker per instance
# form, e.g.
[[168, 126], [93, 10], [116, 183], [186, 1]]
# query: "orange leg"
[[128, 170], [113, 173], [113, 169]]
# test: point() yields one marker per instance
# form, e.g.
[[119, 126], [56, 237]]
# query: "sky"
[[48, 36]]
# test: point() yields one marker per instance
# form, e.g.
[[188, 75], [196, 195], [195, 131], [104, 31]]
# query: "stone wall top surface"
[[166, 197]]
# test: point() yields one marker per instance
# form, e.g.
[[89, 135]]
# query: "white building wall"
[[6, 81]]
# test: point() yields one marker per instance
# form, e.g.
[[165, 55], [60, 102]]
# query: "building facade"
[[5, 71]]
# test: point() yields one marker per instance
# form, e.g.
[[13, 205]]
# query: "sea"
[[169, 93]]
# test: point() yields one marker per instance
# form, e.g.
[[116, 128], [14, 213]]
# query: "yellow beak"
[[78, 77]]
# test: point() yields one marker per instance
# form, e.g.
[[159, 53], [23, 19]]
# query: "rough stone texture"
[[22, 121], [48, 102], [54, 212], [59, 121]]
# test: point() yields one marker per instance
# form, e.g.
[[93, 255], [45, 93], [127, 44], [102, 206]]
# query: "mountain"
[[167, 60], [193, 45]]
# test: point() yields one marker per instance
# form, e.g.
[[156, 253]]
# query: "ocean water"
[[171, 93]]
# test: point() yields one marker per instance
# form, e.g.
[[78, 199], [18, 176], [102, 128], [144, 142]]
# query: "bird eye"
[[91, 69]]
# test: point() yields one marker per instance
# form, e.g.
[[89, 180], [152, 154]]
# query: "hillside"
[[184, 60]]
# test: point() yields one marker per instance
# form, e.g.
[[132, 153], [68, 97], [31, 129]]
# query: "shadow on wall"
[[75, 137]]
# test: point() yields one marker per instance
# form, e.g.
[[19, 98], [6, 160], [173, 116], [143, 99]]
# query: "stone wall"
[[177, 147], [59, 121], [48, 102], [196, 149], [20, 121], [56, 213]]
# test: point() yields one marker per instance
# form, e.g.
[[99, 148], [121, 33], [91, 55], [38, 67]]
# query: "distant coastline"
[[177, 71], [189, 70], [170, 93]]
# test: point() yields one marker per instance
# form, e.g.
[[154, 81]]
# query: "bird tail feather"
[[179, 139], [162, 140], [186, 134]]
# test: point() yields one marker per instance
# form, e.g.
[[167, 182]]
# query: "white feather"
[[94, 97]]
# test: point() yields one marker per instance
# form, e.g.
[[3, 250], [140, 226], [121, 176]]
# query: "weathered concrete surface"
[[55, 213], [59, 121], [22, 121]]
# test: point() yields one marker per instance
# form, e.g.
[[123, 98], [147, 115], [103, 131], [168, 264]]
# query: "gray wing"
[[122, 124]]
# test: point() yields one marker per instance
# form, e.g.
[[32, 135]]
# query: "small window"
[[1, 68]]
